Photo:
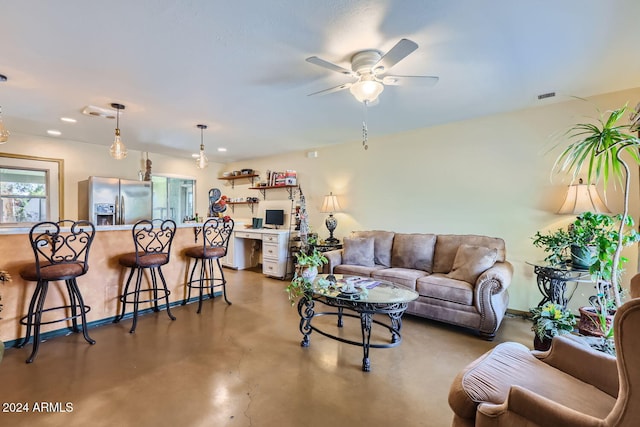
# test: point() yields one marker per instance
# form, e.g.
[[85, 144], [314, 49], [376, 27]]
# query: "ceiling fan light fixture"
[[366, 89], [118, 150]]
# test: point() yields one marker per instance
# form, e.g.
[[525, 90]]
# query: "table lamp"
[[330, 205], [582, 198]]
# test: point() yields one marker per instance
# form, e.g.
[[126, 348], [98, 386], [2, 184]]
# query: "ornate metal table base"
[[365, 312], [552, 283]]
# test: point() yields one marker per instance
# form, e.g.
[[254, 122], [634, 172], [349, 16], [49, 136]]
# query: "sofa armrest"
[[500, 274], [335, 258], [524, 407], [582, 362]]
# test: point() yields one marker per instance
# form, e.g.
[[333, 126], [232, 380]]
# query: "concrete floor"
[[240, 365]]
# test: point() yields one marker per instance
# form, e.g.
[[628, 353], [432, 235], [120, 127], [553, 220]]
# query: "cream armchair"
[[570, 385]]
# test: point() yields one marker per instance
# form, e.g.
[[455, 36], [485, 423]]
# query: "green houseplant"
[[550, 320], [600, 149]]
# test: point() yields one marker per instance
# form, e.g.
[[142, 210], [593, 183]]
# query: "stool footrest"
[[23, 319]]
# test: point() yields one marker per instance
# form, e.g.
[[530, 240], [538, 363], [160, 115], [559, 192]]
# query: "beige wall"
[[487, 176]]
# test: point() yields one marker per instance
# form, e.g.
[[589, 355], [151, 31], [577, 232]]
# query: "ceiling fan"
[[370, 67]]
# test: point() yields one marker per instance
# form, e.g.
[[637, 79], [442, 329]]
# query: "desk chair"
[[59, 255], [216, 233], [152, 247]]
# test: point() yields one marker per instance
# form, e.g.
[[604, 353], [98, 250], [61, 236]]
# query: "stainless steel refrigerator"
[[114, 201]]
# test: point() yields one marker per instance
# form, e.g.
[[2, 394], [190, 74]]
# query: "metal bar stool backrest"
[[152, 240], [216, 233], [68, 250]]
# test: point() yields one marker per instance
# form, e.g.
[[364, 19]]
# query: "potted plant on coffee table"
[[548, 321]]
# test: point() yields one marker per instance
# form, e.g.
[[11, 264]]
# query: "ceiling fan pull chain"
[[365, 133]]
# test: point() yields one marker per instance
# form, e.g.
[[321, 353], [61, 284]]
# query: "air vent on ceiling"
[[92, 110], [547, 95]]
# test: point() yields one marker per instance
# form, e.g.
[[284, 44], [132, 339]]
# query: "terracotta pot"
[[589, 323], [541, 345]]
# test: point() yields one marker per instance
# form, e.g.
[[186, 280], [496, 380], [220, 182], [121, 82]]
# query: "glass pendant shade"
[[118, 150], [202, 161], [366, 89], [4, 133]]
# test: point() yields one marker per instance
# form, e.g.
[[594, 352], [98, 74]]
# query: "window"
[[30, 189], [23, 195], [173, 197]]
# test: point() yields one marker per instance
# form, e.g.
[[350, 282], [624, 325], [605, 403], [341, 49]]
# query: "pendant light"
[[118, 150], [202, 161], [4, 133]]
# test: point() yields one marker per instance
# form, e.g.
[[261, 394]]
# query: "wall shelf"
[[233, 205], [251, 176], [263, 189]]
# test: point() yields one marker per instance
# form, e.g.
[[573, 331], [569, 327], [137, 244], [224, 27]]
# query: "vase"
[[583, 257], [541, 345], [309, 273], [589, 323]]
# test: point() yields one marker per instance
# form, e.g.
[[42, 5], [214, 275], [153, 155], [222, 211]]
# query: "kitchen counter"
[[25, 230]]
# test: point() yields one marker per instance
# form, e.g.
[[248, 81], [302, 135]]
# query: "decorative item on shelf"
[[201, 160], [583, 198], [330, 205], [118, 150], [548, 321]]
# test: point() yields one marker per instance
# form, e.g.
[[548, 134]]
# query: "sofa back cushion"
[[471, 261], [447, 247], [358, 251], [382, 243], [413, 251]]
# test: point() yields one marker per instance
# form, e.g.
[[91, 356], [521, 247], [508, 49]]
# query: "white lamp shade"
[[330, 204], [583, 198]]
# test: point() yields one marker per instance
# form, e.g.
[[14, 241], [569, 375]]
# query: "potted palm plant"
[[600, 148]]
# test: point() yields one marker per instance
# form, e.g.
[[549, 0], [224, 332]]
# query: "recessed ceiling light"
[[68, 119], [222, 149], [54, 132], [195, 156]]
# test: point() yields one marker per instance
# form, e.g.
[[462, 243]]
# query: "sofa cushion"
[[357, 270], [444, 288], [401, 276], [358, 251], [471, 261], [413, 251], [382, 242], [447, 247]]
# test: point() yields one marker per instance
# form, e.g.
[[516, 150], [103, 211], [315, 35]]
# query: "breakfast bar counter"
[[100, 287]]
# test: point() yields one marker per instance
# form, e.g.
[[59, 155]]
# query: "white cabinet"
[[242, 250]]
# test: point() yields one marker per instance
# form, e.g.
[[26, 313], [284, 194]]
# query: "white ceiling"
[[239, 66]]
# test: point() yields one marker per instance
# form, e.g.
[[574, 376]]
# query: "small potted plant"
[[307, 263], [548, 321]]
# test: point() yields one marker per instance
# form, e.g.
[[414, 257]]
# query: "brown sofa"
[[461, 279], [571, 385]]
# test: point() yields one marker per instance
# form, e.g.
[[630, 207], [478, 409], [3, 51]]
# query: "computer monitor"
[[274, 217]]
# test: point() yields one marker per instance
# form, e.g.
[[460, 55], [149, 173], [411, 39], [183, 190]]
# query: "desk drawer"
[[270, 250], [272, 268], [270, 238], [245, 235]]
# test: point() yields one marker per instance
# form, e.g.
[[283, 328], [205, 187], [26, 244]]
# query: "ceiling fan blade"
[[332, 89], [397, 53], [410, 80], [326, 64]]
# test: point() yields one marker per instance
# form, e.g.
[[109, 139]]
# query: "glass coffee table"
[[364, 296]]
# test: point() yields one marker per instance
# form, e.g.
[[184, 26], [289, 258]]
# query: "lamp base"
[[331, 224], [332, 240]]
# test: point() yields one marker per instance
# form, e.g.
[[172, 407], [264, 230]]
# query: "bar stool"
[[152, 247], [216, 233], [58, 256]]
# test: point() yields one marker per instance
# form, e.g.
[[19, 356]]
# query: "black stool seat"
[[216, 233], [60, 255], [152, 248]]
